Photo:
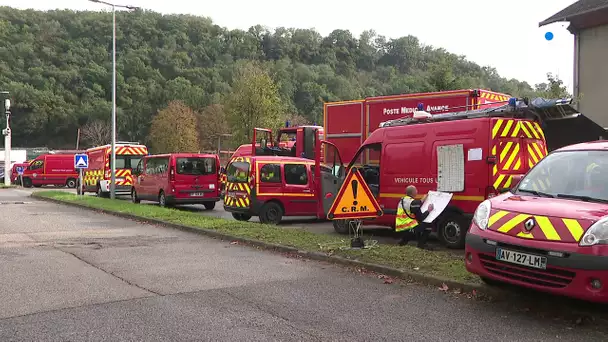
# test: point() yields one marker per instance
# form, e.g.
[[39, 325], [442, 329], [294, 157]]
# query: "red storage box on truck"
[[347, 124]]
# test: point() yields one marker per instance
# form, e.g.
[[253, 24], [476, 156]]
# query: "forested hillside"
[[57, 66]]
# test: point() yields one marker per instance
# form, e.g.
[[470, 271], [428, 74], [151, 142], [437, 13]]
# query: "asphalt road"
[[70, 274]]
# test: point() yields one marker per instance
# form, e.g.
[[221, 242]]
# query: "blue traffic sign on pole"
[[81, 161], [19, 170]]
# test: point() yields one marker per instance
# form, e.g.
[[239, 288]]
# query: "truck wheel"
[[241, 217], [341, 226], [71, 183], [134, 197], [100, 193], [209, 206], [452, 231], [27, 182], [271, 213], [37, 185]]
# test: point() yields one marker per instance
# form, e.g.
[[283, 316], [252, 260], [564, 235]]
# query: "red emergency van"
[[98, 176], [178, 178], [15, 172], [473, 154], [295, 141], [272, 187], [550, 231], [51, 169]]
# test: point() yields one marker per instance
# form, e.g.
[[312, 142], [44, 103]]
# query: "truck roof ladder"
[[538, 109]]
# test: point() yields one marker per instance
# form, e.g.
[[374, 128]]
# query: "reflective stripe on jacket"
[[405, 219]]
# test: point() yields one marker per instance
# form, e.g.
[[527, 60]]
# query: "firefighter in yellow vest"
[[409, 221]]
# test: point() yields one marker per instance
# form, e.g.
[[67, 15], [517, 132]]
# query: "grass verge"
[[405, 258], [3, 186]]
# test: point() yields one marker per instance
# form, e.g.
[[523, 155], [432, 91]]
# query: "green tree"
[[57, 67], [174, 129], [212, 125], [254, 102], [553, 89]]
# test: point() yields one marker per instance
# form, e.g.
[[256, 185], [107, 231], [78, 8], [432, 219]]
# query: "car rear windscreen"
[[237, 172], [196, 166]]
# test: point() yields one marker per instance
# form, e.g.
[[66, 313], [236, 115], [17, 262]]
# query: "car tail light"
[[172, 174]]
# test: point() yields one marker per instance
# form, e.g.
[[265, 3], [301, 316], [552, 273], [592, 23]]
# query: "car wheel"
[[27, 183], [71, 183], [340, 226], [209, 206], [452, 231], [162, 199], [241, 217], [271, 213], [134, 197]]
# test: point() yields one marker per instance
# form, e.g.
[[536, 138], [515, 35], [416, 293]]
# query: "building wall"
[[591, 78]]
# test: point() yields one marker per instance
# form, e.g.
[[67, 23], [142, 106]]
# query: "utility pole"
[[7, 139], [113, 153]]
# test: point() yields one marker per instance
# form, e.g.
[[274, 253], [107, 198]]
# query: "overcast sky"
[[500, 33]]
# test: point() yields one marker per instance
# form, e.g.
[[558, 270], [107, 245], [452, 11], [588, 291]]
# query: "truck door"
[[329, 174]]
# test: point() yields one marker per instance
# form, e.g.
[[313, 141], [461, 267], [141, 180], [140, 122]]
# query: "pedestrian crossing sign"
[[354, 200], [81, 161]]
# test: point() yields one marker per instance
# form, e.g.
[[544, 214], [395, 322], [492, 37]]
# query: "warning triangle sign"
[[81, 162], [354, 200]]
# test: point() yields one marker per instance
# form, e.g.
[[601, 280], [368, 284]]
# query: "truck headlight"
[[482, 214], [597, 234]]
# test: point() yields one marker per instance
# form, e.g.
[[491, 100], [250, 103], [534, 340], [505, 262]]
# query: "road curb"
[[389, 271]]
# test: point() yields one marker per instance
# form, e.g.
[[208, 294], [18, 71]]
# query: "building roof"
[[577, 9]]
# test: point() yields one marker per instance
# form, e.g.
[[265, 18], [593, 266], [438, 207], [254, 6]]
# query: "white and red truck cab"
[[550, 231]]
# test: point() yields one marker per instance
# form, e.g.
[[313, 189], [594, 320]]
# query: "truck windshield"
[[195, 166], [576, 175], [237, 172]]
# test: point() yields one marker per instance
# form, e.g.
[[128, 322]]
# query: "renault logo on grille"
[[529, 224]]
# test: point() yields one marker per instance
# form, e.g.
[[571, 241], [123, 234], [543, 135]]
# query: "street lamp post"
[[113, 157], [7, 140]]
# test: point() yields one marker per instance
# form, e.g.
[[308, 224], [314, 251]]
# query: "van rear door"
[[238, 190], [195, 176], [517, 146]]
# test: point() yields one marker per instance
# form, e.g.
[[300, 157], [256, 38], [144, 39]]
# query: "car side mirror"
[[515, 180]]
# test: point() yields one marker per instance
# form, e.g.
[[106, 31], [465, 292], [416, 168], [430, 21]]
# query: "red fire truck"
[[347, 124], [472, 154], [98, 176]]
